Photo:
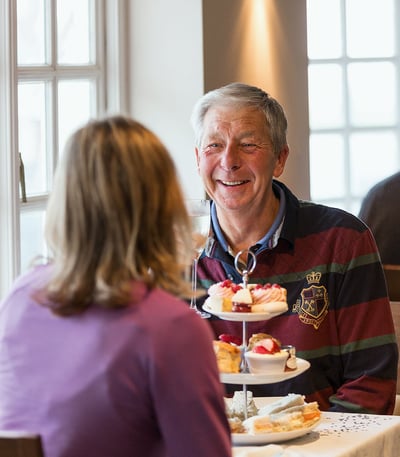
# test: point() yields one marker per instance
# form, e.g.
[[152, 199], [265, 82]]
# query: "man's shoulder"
[[324, 216], [306, 217]]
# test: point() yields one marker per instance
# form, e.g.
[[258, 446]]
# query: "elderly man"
[[339, 315]]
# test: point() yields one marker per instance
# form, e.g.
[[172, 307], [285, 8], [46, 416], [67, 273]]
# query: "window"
[[59, 74], [354, 73], [53, 65]]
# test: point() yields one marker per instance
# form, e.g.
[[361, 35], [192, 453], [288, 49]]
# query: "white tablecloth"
[[338, 435]]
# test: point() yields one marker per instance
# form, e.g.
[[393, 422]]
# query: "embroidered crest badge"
[[312, 306]]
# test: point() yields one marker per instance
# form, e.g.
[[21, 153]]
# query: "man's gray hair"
[[238, 95]]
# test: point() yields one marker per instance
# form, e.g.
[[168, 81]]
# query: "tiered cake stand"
[[246, 378]]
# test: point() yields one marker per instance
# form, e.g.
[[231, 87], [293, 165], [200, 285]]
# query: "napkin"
[[271, 450]]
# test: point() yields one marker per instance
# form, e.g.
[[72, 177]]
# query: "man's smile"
[[233, 183]]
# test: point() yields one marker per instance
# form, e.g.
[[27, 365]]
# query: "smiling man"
[[339, 315], [237, 162]]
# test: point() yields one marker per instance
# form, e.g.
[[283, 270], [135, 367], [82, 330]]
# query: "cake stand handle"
[[245, 275], [244, 334], [244, 271], [243, 364], [245, 400]]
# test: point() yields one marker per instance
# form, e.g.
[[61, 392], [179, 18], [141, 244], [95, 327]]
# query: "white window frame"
[[115, 60], [352, 201]]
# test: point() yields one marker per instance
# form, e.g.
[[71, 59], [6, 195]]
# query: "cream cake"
[[226, 296]]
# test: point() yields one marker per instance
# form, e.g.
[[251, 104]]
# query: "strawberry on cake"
[[266, 356], [266, 345]]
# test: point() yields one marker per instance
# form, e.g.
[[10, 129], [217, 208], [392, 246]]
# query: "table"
[[339, 435]]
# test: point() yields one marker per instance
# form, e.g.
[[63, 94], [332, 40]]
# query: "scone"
[[228, 357]]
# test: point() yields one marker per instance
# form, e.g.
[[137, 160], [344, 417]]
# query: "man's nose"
[[230, 159]]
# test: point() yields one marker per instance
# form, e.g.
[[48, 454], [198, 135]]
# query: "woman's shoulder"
[[34, 277], [162, 309], [163, 303]]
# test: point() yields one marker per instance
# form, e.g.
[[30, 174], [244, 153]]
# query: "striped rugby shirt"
[[339, 316]]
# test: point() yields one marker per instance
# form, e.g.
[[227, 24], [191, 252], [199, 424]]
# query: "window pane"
[[365, 167], [325, 96], [32, 241], [336, 204], [31, 32], [324, 37], [75, 32], [327, 166], [354, 206], [372, 93], [32, 135], [370, 28], [76, 106]]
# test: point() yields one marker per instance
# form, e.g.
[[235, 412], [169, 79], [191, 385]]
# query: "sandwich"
[[287, 414]]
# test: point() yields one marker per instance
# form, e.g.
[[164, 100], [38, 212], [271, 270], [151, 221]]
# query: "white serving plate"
[[244, 439], [243, 317], [265, 378], [267, 438]]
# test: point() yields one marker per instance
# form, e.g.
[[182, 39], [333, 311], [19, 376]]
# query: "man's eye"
[[212, 147], [249, 146]]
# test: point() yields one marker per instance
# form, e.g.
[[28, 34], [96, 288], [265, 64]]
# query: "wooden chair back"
[[395, 306], [19, 444], [392, 274]]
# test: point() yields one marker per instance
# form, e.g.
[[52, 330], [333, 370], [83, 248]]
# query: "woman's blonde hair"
[[116, 214]]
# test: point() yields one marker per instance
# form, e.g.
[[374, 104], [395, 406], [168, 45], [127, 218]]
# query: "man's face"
[[236, 160]]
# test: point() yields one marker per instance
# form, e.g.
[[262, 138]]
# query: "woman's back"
[[110, 382]]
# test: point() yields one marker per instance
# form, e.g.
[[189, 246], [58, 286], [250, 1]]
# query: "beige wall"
[[263, 42], [182, 48]]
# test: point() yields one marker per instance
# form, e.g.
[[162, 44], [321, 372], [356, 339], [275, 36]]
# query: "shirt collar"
[[270, 239]]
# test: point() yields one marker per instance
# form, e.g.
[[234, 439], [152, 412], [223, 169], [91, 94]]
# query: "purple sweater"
[[140, 381]]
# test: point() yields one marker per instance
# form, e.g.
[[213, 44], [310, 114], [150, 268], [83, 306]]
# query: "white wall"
[[166, 76]]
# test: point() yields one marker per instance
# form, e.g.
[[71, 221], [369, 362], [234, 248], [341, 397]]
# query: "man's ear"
[[281, 161], [196, 151]]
